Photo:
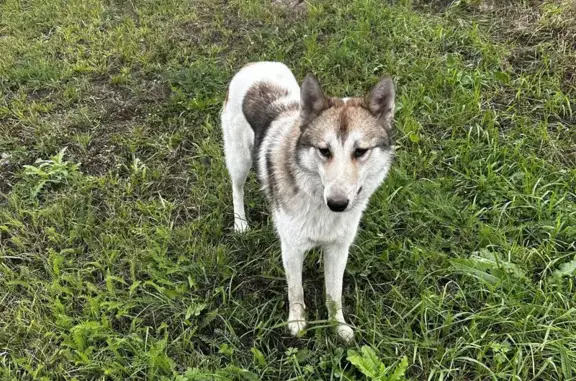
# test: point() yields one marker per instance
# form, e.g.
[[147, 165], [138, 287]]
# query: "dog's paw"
[[296, 319], [240, 226], [296, 327], [345, 332]]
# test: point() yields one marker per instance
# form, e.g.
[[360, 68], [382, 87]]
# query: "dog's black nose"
[[337, 204]]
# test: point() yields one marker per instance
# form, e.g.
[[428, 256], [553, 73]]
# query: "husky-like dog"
[[318, 159]]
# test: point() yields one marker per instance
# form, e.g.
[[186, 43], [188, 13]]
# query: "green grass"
[[117, 259]]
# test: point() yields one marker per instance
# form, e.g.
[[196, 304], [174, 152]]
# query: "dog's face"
[[347, 142]]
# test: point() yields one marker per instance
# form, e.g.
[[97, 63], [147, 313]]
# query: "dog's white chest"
[[316, 225]]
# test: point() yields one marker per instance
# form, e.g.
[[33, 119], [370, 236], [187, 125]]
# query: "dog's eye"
[[359, 152], [325, 152]]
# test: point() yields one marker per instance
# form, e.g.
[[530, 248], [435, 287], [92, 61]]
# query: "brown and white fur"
[[318, 159]]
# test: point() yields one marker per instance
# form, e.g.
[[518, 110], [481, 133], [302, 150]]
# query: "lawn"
[[117, 256]]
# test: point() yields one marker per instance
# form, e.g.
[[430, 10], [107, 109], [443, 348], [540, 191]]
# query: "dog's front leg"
[[335, 258], [293, 259]]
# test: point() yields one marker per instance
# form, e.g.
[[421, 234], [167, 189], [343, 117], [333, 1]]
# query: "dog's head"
[[347, 142]]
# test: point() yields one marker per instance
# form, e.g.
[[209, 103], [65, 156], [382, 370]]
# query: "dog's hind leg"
[[238, 142]]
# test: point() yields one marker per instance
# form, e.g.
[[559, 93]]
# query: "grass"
[[117, 259]]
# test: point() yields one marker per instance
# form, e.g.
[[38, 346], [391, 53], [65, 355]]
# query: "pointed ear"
[[380, 101], [312, 99]]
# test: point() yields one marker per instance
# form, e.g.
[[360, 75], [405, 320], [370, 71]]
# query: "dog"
[[318, 160]]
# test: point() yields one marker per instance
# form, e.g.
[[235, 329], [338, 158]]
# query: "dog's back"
[[257, 95]]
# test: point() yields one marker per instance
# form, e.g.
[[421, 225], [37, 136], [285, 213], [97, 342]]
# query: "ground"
[[117, 256]]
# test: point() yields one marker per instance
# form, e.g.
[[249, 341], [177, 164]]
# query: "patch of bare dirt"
[[529, 22], [119, 111], [91, 127], [230, 33], [289, 3], [40, 94], [103, 151], [120, 103]]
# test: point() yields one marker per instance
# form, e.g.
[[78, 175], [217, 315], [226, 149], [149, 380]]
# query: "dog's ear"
[[312, 99], [380, 101]]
